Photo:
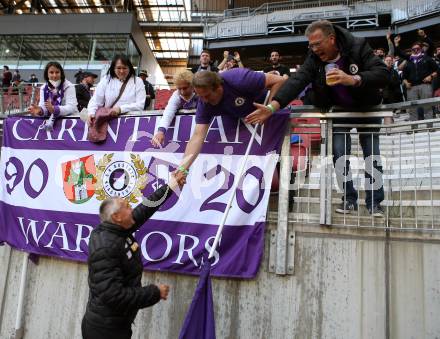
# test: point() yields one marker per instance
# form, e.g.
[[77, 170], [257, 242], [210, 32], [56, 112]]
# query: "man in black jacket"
[[392, 92], [205, 63], [83, 94], [275, 67], [355, 81], [115, 267], [149, 89], [418, 75]]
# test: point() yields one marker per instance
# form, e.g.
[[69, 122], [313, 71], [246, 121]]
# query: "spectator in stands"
[[392, 92], [390, 44], [235, 93], [149, 90], [16, 77], [121, 80], [205, 63], [417, 76], [436, 81], [33, 79], [437, 56], [83, 94], [7, 77], [78, 76], [277, 68], [379, 52], [230, 61], [57, 96], [354, 83], [427, 43], [183, 98], [115, 267]]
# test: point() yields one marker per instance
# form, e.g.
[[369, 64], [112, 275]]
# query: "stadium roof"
[[169, 25]]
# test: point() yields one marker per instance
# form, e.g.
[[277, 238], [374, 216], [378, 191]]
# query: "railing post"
[[34, 89], [1, 101], [322, 175], [19, 329], [20, 99], [283, 207], [329, 173]]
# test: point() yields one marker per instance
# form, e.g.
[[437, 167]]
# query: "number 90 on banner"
[[15, 174]]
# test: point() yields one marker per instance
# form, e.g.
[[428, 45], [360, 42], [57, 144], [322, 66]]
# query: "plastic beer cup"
[[328, 68]]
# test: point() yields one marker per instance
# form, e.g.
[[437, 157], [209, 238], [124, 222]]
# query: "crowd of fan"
[[413, 74], [413, 71]]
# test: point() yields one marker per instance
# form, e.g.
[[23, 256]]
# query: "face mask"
[[55, 83]]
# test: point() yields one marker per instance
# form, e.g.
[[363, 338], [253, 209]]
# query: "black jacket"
[[115, 271], [361, 60], [281, 69], [212, 68], [414, 73], [82, 96], [392, 92], [149, 90]]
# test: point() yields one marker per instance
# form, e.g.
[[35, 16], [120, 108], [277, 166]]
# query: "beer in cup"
[[328, 68]]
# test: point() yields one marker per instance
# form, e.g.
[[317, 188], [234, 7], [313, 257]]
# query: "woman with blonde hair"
[[183, 98]]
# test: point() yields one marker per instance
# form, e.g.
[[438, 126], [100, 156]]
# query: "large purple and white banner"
[[52, 184]]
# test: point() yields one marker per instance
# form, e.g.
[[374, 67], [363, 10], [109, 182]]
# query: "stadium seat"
[[162, 97]]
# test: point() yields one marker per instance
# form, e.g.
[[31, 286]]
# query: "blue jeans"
[[374, 193]]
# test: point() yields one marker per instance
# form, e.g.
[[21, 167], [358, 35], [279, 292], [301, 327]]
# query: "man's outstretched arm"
[[194, 145]]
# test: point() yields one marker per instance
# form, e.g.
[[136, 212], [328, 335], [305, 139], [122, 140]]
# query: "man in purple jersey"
[[237, 93]]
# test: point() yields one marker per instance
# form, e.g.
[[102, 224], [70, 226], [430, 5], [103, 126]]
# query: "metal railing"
[[246, 21], [406, 173], [404, 10], [17, 99], [271, 7], [266, 18]]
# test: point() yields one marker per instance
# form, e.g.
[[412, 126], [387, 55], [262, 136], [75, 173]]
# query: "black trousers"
[[94, 332]]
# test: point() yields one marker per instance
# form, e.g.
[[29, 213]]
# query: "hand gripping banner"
[[52, 183]]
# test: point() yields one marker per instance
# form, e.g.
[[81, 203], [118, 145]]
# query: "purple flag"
[[53, 182], [199, 322]]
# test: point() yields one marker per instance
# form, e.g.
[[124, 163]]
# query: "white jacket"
[[133, 98], [68, 103]]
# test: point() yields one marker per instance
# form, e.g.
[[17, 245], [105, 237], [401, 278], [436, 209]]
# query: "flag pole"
[[234, 187]]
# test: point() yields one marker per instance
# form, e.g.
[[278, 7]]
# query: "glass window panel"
[[133, 54], [53, 49], [10, 49], [79, 48]]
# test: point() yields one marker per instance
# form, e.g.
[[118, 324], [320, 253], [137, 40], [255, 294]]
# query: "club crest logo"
[[79, 178], [121, 178], [353, 68], [239, 101]]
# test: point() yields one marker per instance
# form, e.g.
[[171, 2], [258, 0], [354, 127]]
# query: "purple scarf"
[[416, 58], [56, 98]]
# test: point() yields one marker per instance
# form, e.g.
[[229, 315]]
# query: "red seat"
[[299, 154], [162, 98], [309, 135]]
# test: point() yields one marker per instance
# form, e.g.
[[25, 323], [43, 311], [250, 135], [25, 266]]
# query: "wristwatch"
[[358, 80]]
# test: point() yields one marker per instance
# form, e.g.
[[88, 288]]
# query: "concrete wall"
[[343, 287]]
